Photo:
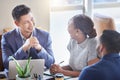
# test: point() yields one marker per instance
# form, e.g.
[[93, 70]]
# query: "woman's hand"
[[55, 69]]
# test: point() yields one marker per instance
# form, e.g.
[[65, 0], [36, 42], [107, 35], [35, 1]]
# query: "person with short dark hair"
[[25, 40], [81, 46], [108, 68]]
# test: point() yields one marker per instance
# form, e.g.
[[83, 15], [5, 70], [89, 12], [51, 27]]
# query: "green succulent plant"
[[23, 71]]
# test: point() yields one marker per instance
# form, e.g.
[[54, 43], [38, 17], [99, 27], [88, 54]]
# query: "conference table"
[[47, 76]]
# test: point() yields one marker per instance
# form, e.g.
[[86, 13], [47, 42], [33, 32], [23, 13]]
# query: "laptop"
[[38, 67]]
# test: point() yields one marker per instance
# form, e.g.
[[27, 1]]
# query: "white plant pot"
[[18, 78]]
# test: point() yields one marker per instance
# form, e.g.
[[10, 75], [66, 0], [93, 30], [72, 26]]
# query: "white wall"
[[40, 9]]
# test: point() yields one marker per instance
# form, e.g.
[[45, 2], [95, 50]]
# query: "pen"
[[61, 62]]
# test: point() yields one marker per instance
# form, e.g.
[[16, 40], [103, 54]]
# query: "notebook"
[[38, 67]]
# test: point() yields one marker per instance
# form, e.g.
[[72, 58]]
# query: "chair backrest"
[[1, 62], [103, 22]]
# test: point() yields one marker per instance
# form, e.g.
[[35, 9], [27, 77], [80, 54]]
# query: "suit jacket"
[[108, 68], [12, 42]]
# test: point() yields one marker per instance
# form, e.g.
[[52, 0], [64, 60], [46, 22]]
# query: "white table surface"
[[46, 77]]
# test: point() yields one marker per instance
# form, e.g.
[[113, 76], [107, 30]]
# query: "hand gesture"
[[55, 69], [31, 42]]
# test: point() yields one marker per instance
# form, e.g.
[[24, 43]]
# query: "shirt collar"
[[107, 56], [22, 35], [84, 43]]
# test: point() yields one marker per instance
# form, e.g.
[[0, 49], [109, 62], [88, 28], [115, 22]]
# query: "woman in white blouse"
[[82, 46]]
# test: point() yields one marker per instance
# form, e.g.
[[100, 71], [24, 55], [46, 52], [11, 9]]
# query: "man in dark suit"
[[108, 68], [25, 40]]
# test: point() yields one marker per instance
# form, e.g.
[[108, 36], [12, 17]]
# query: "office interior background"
[[53, 16]]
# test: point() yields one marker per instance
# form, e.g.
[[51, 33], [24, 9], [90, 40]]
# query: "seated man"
[[25, 40], [108, 68]]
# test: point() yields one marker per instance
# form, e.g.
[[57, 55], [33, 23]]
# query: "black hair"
[[19, 11], [85, 24], [111, 40]]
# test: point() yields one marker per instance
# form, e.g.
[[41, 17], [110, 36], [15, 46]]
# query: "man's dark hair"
[[19, 11], [111, 40]]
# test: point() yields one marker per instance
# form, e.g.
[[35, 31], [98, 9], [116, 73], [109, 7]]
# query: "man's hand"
[[36, 44], [32, 42], [27, 45]]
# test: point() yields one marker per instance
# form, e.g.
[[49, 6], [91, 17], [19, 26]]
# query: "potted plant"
[[23, 72]]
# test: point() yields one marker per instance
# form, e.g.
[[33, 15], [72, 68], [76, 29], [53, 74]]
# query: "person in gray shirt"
[[82, 46]]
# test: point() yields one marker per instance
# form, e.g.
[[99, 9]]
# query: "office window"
[[108, 8], [105, 1], [59, 33], [55, 3], [61, 12]]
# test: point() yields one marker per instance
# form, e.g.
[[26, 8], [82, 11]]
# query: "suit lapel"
[[18, 39]]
